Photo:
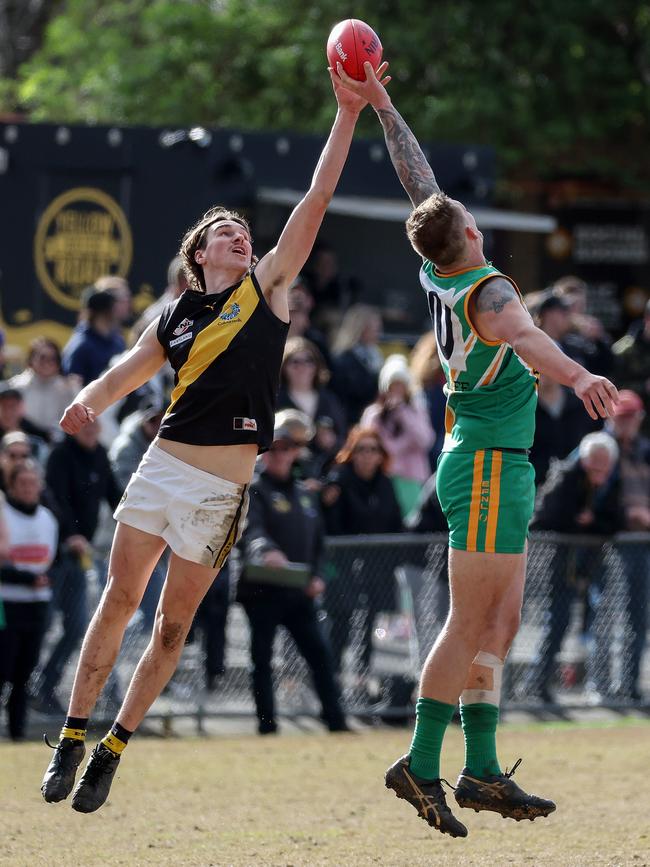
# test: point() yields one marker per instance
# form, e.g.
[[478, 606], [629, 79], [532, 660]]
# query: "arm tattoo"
[[411, 165], [493, 296]]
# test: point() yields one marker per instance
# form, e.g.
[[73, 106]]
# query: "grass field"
[[320, 800]]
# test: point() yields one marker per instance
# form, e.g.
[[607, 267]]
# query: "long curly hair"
[[196, 238]]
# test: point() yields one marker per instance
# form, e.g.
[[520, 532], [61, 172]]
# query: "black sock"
[[74, 728], [117, 739], [121, 733], [76, 722]]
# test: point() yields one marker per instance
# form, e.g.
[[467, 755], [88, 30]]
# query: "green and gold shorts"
[[487, 497]]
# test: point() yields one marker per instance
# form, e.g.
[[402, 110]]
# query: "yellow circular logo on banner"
[[83, 234]]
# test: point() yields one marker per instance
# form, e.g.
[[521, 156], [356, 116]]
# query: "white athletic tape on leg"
[[477, 695]]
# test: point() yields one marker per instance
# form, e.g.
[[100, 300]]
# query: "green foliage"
[[557, 86]]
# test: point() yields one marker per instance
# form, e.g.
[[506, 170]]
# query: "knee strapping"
[[484, 684]]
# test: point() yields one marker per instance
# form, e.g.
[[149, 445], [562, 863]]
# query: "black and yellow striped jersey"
[[226, 351]]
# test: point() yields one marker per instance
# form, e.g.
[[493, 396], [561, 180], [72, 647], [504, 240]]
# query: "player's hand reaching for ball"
[[75, 417], [346, 98], [372, 90], [598, 394]]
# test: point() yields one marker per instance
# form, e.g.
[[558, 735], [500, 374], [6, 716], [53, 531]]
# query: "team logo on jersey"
[[182, 327], [231, 312]]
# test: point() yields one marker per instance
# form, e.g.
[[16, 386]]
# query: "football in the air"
[[351, 43]]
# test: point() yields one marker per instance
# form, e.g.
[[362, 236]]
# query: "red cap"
[[629, 402]]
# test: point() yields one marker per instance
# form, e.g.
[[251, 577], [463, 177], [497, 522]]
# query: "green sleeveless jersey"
[[491, 392]]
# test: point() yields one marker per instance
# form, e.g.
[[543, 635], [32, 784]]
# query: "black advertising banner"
[[79, 202], [608, 246]]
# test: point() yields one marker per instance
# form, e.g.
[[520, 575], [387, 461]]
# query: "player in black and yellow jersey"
[[225, 338]]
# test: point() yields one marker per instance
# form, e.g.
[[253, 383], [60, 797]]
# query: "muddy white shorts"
[[199, 515]]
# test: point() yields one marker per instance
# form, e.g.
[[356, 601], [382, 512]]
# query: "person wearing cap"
[[284, 539], [405, 429], [634, 472], [224, 338], [553, 316], [96, 339]]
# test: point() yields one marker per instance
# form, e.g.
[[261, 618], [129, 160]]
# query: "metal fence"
[[581, 641]]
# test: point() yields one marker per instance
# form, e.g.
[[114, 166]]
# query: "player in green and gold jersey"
[[490, 351]]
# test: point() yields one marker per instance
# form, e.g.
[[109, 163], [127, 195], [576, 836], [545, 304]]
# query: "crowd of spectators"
[[361, 433]]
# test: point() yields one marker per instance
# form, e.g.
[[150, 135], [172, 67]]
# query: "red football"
[[351, 43]]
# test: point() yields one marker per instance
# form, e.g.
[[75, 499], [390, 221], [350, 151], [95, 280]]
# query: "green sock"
[[431, 721], [480, 730]]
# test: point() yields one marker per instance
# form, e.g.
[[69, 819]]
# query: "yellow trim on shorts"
[[493, 509], [472, 527], [231, 537]]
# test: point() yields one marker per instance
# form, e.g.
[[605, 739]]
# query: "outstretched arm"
[[282, 264], [133, 370], [497, 313], [413, 170]]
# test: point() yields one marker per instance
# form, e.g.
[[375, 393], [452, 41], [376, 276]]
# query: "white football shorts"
[[199, 515]]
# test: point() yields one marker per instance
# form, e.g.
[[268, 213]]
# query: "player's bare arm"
[[497, 313], [413, 170], [282, 264], [133, 370]]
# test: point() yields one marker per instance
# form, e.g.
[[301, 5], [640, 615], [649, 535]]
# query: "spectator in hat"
[[405, 429], [46, 391], [97, 337], [303, 385], [284, 537], [632, 364]]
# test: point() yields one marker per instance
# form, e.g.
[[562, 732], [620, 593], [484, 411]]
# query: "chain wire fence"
[[582, 638]]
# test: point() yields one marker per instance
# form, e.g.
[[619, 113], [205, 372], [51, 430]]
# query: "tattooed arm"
[[498, 314], [413, 170], [411, 165]]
